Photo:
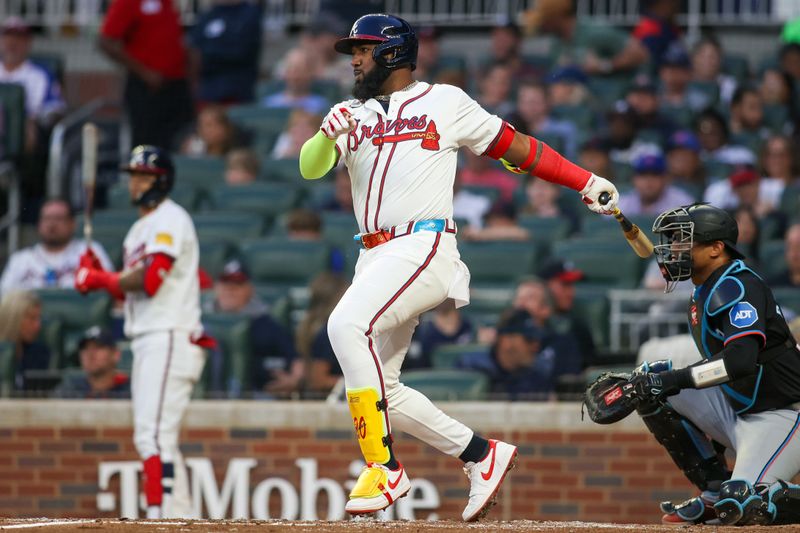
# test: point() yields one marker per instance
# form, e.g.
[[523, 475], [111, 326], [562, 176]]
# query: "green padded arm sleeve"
[[317, 156]]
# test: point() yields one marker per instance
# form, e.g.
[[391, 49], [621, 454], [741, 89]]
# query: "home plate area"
[[352, 526]]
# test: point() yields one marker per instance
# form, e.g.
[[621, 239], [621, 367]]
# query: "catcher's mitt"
[[607, 399]]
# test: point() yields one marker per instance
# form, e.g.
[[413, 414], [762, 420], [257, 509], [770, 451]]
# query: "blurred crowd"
[[669, 122]]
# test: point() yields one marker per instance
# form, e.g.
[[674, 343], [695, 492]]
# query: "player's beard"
[[370, 85]]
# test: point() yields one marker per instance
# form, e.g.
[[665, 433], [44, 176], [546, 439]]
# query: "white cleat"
[[377, 488], [486, 477]]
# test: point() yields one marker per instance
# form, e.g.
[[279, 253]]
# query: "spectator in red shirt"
[[657, 29], [145, 37]]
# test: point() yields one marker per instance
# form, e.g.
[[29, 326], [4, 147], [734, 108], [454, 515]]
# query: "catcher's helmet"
[[678, 229], [147, 159], [397, 41]]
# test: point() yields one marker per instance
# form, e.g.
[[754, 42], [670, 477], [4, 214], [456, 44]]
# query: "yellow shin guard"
[[370, 424]]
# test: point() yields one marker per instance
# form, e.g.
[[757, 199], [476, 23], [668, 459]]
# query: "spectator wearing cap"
[[714, 136], [566, 87], [594, 156], [675, 75], [100, 378], [683, 159], [445, 326], [52, 262], [533, 297], [599, 49], [275, 368], [657, 28], [532, 117], [20, 324], [642, 96], [146, 39], [652, 192], [560, 277], [227, 41], [745, 187], [516, 365], [299, 75], [791, 276], [624, 145]]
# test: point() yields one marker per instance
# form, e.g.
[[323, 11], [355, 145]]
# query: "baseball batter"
[[159, 285], [399, 139], [744, 394]]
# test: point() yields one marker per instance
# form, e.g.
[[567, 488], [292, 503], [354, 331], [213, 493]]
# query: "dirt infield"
[[357, 526]]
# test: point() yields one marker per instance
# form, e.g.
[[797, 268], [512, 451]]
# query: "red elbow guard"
[[555, 168], [158, 266], [502, 142]]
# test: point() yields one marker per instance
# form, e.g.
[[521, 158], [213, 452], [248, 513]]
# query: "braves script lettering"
[[392, 131]]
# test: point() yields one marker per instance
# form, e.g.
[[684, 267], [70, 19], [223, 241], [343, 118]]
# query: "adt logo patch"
[[743, 315]]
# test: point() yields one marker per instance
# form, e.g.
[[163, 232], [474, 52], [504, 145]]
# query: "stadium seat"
[[232, 332], [581, 116], [281, 170], [287, 262], [591, 305], [736, 65], [214, 253], [258, 118], [230, 226], [790, 202], [545, 230], [267, 199], [773, 258], [709, 89], [594, 372], [52, 336], [328, 89], [788, 298], [12, 100], [447, 385], [76, 312], [204, 173], [609, 262], [6, 368], [682, 116], [608, 89], [499, 261], [776, 117], [447, 355], [487, 191], [338, 229]]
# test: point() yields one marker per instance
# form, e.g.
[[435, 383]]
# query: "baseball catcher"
[[743, 395]]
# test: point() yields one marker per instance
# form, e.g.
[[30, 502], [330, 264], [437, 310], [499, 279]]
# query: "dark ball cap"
[[97, 335]]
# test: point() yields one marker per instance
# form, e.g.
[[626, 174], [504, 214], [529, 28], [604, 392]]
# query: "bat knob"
[[604, 198]]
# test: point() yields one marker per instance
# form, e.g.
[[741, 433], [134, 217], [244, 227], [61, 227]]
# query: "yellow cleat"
[[377, 488]]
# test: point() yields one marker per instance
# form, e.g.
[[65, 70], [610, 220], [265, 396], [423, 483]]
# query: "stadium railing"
[[638, 315]]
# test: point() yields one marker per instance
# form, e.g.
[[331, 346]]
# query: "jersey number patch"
[[743, 315]]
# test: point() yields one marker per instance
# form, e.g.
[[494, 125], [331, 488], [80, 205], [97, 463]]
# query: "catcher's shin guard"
[[786, 497], [371, 424], [691, 450], [742, 504]]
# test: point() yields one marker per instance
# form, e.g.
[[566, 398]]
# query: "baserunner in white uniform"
[[160, 287], [399, 139]]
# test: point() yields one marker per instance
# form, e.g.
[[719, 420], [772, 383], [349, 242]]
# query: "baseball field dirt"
[[359, 526]]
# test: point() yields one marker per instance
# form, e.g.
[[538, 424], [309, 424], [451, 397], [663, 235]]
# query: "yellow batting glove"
[[511, 167]]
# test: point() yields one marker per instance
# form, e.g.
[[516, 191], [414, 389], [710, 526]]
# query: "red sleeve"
[[205, 279], [647, 27], [119, 18], [158, 266]]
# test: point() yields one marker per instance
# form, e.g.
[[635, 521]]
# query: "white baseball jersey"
[[176, 305], [403, 163], [36, 268]]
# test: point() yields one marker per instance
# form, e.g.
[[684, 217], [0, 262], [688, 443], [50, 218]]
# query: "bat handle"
[[604, 198]]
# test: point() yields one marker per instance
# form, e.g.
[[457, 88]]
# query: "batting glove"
[[90, 279], [591, 195], [338, 122], [89, 260]]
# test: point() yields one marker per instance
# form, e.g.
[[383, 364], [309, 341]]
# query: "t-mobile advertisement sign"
[[235, 499]]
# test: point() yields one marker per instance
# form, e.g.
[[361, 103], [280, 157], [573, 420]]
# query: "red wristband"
[[112, 285], [501, 143], [555, 168]]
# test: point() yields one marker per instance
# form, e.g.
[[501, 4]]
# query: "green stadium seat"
[[266, 199], [7, 358], [749, 139], [447, 385], [230, 226], [592, 306], [76, 312], [232, 332], [448, 355], [12, 100], [581, 116], [594, 372], [790, 202], [682, 116], [716, 170], [621, 173], [52, 336], [608, 89], [204, 173], [126, 357], [775, 117], [282, 170], [609, 262], [545, 230], [709, 89], [773, 258], [487, 191], [737, 66], [499, 261], [554, 140], [328, 89], [788, 298], [214, 252], [293, 263], [255, 117], [338, 229]]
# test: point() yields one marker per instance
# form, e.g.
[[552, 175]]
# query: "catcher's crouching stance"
[[743, 395]]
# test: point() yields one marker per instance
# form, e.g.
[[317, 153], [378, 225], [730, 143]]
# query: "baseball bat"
[[636, 238], [89, 162]]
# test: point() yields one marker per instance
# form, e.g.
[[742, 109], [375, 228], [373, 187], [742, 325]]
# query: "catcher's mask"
[[678, 230]]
